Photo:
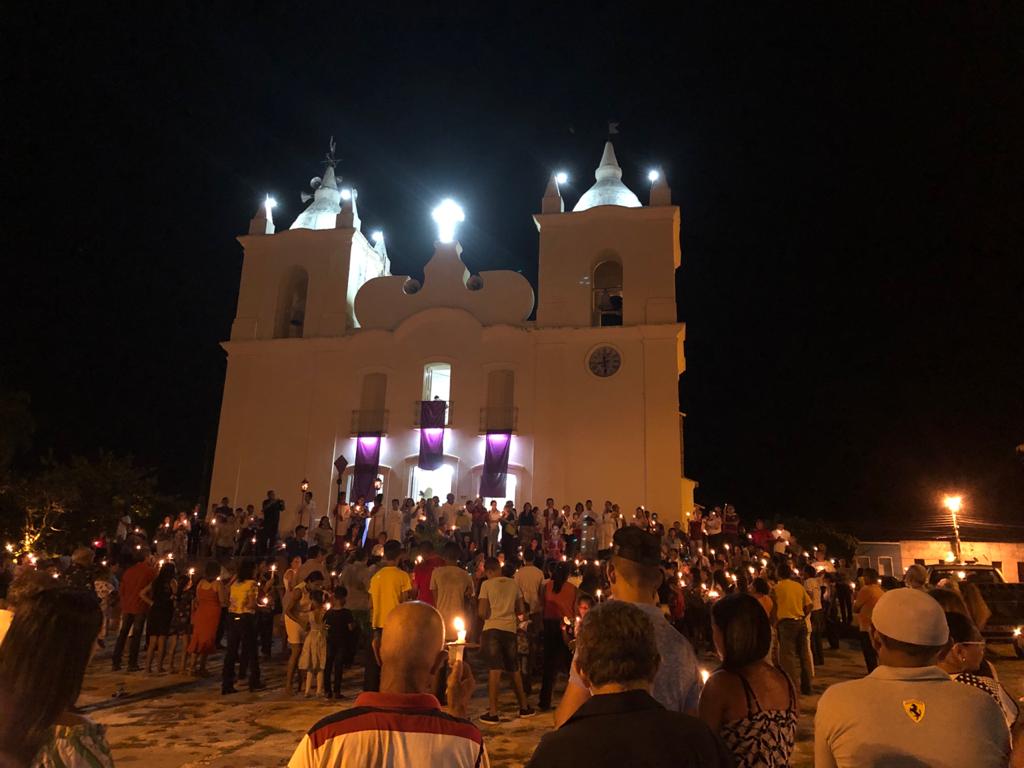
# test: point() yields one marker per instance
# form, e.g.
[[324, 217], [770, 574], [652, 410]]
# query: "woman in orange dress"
[[205, 618]]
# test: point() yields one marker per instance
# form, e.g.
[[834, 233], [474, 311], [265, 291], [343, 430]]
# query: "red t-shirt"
[[761, 537], [133, 581], [421, 578], [561, 604]]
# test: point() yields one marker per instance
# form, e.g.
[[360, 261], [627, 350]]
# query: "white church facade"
[[448, 385]]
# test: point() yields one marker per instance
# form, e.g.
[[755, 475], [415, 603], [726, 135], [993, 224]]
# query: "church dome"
[[323, 211], [608, 189]]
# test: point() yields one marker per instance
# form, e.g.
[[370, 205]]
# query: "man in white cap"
[[906, 713]]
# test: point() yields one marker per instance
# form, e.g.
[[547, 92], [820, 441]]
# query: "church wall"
[[289, 403]]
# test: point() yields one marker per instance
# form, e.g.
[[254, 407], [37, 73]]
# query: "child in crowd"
[[314, 649], [105, 588], [341, 629], [583, 605]]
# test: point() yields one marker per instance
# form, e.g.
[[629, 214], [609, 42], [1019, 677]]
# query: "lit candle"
[[191, 571], [265, 601], [273, 568], [598, 595], [704, 675], [419, 559], [460, 637]]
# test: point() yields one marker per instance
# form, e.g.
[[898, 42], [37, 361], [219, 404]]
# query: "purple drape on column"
[[431, 448], [367, 464], [431, 434], [496, 450]]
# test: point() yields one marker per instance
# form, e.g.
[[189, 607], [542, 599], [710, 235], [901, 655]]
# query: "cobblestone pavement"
[[174, 720]]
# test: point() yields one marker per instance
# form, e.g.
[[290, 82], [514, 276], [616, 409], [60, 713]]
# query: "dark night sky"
[[850, 187]]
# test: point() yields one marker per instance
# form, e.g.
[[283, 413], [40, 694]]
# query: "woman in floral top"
[[42, 663]]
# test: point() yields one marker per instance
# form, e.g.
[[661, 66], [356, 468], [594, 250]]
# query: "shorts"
[[499, 649], [295, 632]]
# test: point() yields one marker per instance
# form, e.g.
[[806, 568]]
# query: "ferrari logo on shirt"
[[914, 709]]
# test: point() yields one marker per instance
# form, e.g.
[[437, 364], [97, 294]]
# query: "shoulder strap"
[[790, 688], [753, 706]]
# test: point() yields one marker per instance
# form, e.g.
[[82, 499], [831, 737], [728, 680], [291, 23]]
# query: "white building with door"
[[582, 375]]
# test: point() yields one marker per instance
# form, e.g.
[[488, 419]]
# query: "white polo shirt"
[[907, 718]]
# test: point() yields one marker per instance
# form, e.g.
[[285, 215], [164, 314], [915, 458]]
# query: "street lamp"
[[954, 504]]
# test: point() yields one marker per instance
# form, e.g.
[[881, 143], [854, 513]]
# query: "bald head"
[[412, 648]]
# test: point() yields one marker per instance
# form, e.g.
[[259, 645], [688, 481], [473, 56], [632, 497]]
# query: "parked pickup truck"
[[1006, 601]]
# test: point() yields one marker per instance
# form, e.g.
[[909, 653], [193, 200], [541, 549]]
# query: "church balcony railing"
[[417, 412], [500, 419], [369, 421]]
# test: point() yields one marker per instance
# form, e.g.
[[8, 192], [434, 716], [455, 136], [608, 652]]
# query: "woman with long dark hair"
[[181, 621], [42, 662], [159, 594], [559, 608], [748, 702]]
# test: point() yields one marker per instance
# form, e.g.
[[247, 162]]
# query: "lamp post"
[[954, 504]]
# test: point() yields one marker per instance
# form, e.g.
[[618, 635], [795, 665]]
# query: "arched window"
[[291, 304], [607, 285], [500, 413]]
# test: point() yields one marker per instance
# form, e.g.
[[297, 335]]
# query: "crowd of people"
[[415, 594]]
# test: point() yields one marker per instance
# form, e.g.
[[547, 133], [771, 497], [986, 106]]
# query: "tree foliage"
[[70, 503]]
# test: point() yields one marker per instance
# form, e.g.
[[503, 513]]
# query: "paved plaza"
[[161, 721]]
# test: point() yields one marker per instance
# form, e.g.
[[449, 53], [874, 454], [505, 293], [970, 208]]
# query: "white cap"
[[911, 616]]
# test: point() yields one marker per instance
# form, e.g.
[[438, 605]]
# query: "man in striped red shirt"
[[403, 724]]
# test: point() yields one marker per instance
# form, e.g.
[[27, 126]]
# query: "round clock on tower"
[[604, 361]]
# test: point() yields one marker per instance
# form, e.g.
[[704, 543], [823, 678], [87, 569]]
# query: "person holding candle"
[[205, 619], [559, 601], [403, 725], [160, 595], [241, 631]]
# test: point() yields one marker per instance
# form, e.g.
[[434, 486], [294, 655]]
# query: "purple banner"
[[364, 473], [432, 413], [496, 450], [431, 448]]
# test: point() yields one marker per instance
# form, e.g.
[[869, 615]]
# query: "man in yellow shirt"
[[792, 606], [389, 586], [863, 609]]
